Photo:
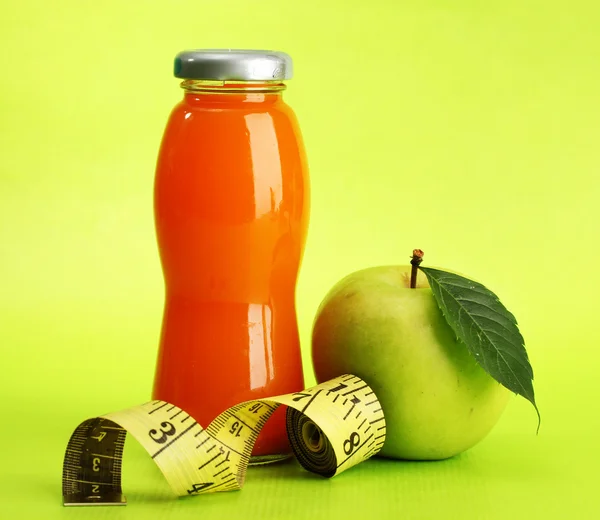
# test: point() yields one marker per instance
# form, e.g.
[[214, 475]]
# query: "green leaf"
[[487, 328]]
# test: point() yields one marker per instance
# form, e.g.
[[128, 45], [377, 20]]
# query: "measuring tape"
[[331, 427]]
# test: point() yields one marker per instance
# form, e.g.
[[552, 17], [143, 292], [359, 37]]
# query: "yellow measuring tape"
[[331, 427]]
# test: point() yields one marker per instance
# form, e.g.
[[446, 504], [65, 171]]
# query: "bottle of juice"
[[231, 205]]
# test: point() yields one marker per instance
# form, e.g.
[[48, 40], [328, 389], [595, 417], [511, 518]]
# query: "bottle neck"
[[232, 91]]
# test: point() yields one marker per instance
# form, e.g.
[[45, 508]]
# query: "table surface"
[[512, 474]]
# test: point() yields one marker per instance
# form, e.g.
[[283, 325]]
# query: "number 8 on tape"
[[331, 427]]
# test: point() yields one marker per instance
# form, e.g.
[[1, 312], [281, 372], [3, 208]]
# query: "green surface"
[[468, 129]]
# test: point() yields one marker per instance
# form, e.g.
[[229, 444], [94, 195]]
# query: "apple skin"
[[436, 399]]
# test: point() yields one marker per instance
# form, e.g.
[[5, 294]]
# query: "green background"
[[468, 129]]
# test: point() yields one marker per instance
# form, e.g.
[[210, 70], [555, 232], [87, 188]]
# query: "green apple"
[[436, 399]]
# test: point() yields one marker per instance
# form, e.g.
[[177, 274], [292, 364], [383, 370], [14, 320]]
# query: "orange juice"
[[231, 212]]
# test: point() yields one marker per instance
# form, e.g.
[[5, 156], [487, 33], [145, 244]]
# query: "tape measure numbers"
[[331, 427]]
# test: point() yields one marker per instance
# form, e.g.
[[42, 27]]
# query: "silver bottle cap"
[[233, 64]]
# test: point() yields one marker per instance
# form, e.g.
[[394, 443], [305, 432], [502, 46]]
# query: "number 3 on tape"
[[331, 427]]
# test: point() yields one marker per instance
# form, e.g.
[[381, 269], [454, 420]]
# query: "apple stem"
[[416, 259]]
